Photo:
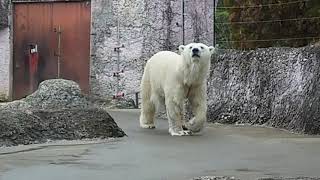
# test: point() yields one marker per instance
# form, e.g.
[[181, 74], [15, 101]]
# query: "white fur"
[[168, 79]]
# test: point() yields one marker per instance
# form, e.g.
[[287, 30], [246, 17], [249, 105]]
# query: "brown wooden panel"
[[36, 23], [74, 19]]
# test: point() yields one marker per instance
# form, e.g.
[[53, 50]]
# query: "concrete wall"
[[4, 63], [145, 28], [4, 51]]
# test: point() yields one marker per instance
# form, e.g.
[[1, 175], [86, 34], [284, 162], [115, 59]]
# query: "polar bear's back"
[[165, 58], [163, 64], [161, 69]]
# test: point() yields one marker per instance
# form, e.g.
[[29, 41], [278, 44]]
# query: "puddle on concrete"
[[54, 144]]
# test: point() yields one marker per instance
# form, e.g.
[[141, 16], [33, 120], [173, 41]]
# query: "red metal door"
[[61, 31]]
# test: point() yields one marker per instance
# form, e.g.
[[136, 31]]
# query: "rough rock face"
[[122, 104], [19, 128], [110, 103], [70, 124], [278, 87], [3, 98], [57, 110]]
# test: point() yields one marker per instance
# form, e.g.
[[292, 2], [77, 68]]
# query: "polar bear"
[[170, 78]]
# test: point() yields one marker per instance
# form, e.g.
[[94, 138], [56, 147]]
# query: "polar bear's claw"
[[180, 133], [148, 126], [184, 127]]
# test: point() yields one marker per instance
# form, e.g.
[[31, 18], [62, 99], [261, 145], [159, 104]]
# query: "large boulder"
[[57, 94], [40, 126], [53, 94], [278, 87], [57, 110]]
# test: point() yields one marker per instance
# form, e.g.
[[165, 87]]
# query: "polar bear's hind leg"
[[147, 106]]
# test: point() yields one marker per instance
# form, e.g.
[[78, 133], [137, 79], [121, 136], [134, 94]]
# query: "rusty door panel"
[[74, 20], [35, 23], [31, 25]]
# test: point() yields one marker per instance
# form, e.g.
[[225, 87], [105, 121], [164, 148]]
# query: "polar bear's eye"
[[202, 47], [190, 47]]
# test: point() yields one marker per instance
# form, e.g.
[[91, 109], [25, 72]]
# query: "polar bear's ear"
[[181, 48], [211, 49]]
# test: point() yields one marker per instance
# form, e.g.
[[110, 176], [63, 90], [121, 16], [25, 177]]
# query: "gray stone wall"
[[278, 87], [145, 27], [4, 63]]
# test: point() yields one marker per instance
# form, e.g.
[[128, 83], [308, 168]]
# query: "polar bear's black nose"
[[195, 50]]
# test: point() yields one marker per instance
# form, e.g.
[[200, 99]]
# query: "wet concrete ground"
[[243, 152]]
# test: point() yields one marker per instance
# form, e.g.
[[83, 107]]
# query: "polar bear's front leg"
[[198, 100], [174, 114]]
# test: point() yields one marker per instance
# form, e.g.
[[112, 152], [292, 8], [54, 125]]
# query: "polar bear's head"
[[196, 52]]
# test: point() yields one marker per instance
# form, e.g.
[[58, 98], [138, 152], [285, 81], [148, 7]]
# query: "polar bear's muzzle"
[[195, 52], [195, 55]]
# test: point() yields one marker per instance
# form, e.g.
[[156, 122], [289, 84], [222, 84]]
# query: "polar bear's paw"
[[180, 132], [148, 126], [193, 126]]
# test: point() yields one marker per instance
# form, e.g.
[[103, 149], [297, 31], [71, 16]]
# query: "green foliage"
[[224, 31], [243, 35]]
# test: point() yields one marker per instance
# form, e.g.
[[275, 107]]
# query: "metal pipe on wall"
[[183, 31], [214, 23]]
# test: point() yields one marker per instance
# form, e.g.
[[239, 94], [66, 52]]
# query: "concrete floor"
[[243, 152]]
